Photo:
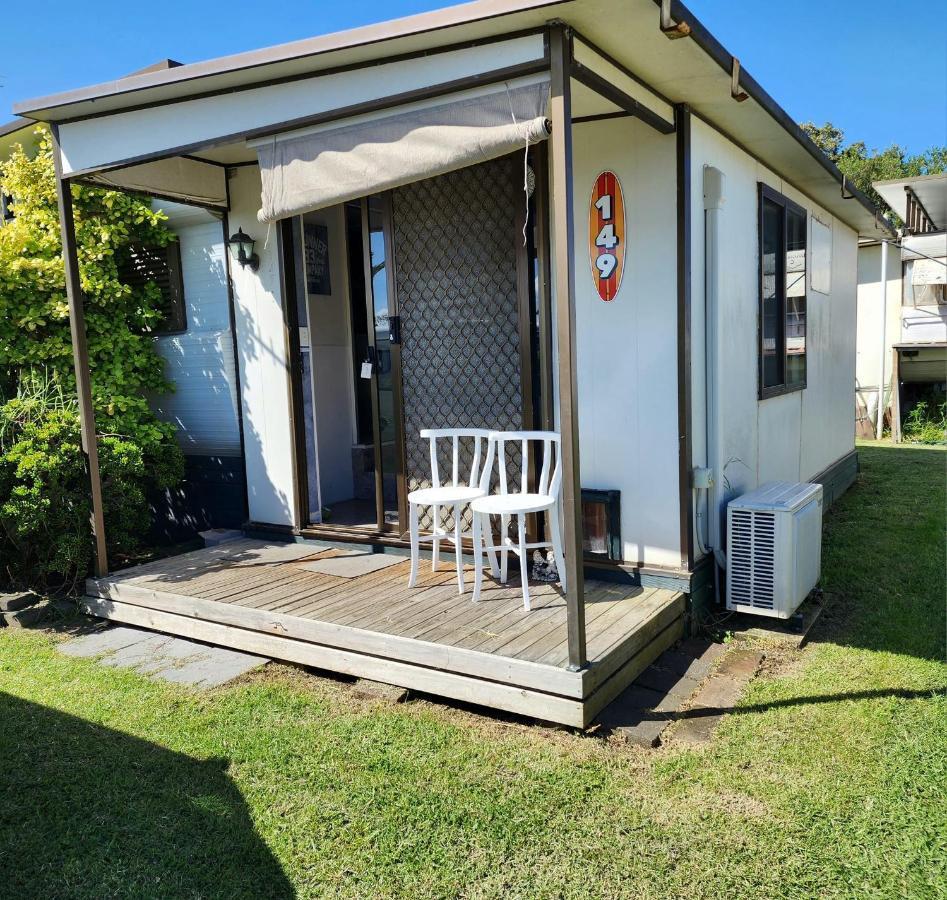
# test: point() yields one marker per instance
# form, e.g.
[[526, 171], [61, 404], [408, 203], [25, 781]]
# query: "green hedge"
[[44, 507]]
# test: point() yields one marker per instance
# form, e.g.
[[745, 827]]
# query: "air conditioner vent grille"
[[752, 570]]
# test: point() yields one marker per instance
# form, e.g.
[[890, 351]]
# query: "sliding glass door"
[[382, 364]]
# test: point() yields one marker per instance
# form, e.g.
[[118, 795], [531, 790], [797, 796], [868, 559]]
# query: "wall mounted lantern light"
[[241, 250]]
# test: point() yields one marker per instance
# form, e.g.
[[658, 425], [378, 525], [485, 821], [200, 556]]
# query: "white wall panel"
[[128, 135], [200, 362], [922, 324], [795, 436], [264, 368], [627, 348]]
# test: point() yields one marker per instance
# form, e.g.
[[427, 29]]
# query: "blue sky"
[[880, 77]]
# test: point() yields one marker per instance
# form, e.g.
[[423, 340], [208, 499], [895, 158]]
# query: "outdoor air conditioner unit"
[[774, 541]]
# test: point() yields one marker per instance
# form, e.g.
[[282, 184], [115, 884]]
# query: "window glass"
[[924, 282], [784, 269], [795, 297], [771, 251], [141, 265]]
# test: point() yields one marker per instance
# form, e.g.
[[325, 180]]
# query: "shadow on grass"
[[883, 555], [86, 811]]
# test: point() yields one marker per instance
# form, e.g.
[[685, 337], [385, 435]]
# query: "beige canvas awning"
[[305, 171], [178, 178]]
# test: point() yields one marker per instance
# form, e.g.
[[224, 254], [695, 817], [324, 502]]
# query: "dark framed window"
[[162, 265], [783, 269]]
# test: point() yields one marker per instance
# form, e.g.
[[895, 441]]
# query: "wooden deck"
[[265, 598]]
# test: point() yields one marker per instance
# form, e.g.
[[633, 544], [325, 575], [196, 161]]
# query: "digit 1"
[[604, 206]]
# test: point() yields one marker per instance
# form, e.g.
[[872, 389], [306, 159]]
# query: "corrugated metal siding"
[[200, 362]]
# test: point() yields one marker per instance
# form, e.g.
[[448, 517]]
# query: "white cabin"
[[509, 214], [902, 331]]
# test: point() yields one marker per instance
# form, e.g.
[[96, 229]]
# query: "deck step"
[[264, 599]]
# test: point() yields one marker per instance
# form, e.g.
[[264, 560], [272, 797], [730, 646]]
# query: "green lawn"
[[830, 780]]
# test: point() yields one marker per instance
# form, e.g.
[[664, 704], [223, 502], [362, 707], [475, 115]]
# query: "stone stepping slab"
[[643, 711], [717, 697], [171, 659]]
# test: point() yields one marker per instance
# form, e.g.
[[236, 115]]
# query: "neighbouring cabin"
[[487, 218], [902, 331]]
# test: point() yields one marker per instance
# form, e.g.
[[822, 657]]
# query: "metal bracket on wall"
[[672, 30], [736, 91]]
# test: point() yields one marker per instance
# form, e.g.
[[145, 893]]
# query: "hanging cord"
[[509, 98], [269, 225]]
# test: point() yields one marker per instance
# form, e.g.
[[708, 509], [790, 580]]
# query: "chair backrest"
[[479, 437], [550, 476]]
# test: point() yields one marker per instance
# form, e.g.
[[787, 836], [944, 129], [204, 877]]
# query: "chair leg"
[[478, 556], [436, 542], [413, 578], [524, 561], [458, 548], [557, 545], [504, 553], [491, 553]]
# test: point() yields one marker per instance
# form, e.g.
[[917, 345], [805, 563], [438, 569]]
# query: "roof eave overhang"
[[471, 21]]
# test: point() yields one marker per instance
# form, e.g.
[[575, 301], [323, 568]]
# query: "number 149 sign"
[[607, 235]]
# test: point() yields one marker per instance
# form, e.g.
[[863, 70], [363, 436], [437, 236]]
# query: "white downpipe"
[[880, 416], [713, 204]]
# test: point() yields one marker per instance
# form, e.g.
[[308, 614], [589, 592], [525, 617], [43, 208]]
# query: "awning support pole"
[[80, 356], [562, 245]]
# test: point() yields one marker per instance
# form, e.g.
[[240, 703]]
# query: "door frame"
[[290, 277], [290, 267], [382, 526]]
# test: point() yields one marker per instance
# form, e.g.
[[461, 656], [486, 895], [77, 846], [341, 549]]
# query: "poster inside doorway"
[[316, 246]]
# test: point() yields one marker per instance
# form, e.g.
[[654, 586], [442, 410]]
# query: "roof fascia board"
[[18, 124], [310, 48], [302, 76]]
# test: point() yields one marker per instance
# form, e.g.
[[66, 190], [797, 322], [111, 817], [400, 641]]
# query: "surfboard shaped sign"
[[607, 235]]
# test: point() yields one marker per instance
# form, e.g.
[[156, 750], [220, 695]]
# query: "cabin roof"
[[695, 70], [931, 190], [19, 131]]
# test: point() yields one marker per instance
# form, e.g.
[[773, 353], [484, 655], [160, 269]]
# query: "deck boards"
[[266, 577], [253, 586]]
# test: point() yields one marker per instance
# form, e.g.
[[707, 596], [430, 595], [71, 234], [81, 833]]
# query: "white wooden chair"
[[545, 499], [457, 494]]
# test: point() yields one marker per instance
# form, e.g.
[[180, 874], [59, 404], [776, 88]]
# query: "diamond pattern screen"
[[455, 261]]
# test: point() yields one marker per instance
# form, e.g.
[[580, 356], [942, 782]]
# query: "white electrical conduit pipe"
[[713, 204], [880, 416]]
